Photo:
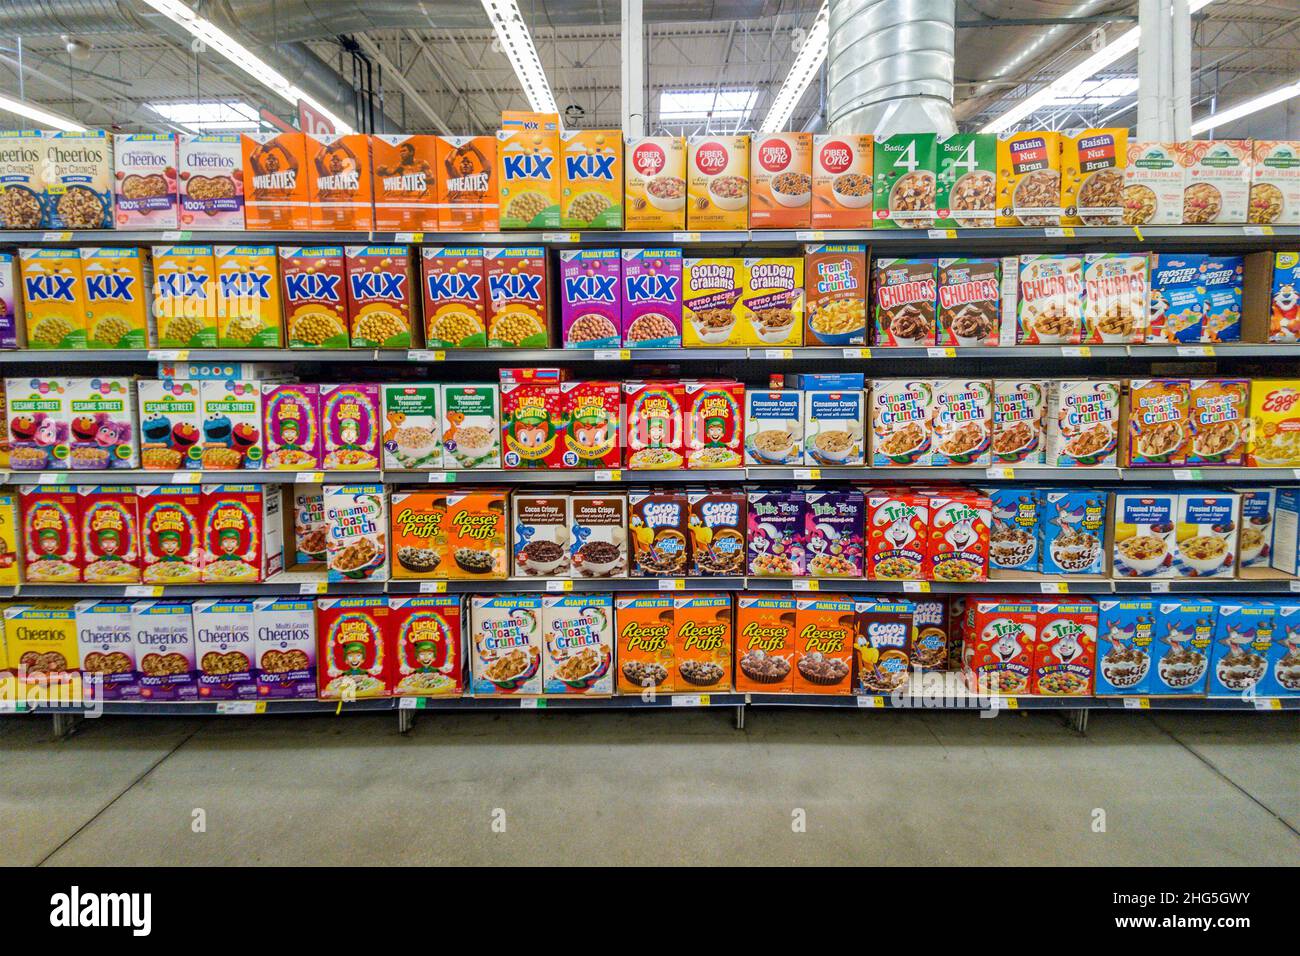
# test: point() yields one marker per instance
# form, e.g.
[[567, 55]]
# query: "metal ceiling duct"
[[890, 66]]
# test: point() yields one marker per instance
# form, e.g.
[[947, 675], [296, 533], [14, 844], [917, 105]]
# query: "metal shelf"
[[1023, 702]]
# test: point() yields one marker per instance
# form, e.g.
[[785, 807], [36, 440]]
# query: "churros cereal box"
[[1275, 424], [591, 179], [780, 181], [842, 187], [382, 313], [232, 424], [506, 644], [772, 301], [578, 634], [1092, 176], [248, 297], [353, 659], [518, 297], [643, 625], [711, 290], [1218, 415], [276, 190], [717, 182], [184, 297], [145, 180], [1029, 179], [425, 633], [655, 183], [968, 305], [405, 182], [1275, 182], [313, 286], [211, 181], [171, 533], [467, 184], [53, 298], [529, 173], [118, 284], [1051, 300], [78, 179], [835, 294], [905, 292], [339, 182], [455, 297], [1117, 297]]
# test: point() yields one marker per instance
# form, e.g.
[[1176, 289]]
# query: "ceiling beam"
[[403, 84]]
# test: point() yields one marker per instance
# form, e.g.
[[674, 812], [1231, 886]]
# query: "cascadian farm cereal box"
[[211, 181], [966, 167], [467, 184], [528, 163], [405, 182], [780, 181], [655, 183], [1275, 182], [717, 182], [905, 181], [455, 297], [78, 179], [53, 298], [591, 181], [1029, 179], [381, 296], [1153, 184], [842, 187], [145, 180], [1092, 176], [1218, 181], [339, 181], [184, 296], [118, 289], [275, 181], [248, 297], [313, 287]]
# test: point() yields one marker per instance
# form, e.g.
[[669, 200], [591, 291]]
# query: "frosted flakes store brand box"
[[225, 634], [285, 647]]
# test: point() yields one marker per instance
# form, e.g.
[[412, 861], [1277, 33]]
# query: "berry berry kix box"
[[652, 298]]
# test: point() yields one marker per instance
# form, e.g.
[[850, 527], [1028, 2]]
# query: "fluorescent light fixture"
[[44, 117], [517, 44], [1099, 92], [1261, 102], [688, 106], [806, 64], [242, 57], [230, 116], [1065, 87]]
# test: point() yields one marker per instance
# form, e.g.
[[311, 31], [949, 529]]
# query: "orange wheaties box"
[[425, 646], [702, 639], [339, 183], [780, 181], [406, 195], [352, 649], [528, 167], [717, 182], [825, 626], [171, 533], [842, 187], [999, 640], [591, 179], [643, 643], [654, 183], [275, 181], [1066, 647], [110, 534], [467, 184], [765, 642], [51, 546], [382, 310]]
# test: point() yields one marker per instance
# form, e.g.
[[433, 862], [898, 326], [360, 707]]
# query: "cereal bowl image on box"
[[1144, 534], [506, 644]]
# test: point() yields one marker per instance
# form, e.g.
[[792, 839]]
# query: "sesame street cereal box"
[[825, 629], [714, 424], [353, 652], [884, 644], [171, 533], [772, 301], [841, 181], [1083, 419], [529, 173], [185, 297], [455, 297], [339, 181], [835, 525], [591, 298], [412, 425], [145, 176], [717, 182], [164, 650], [518, 297], [1156, 422], [232, 424], [506, 644], [1092, 176], [1218, 417], [652, 298], [381, 290], [425, 639], [1065, 648], [1153, 184], [702, 640], [242, 535], [999, 637], [248, 297], [170, 424], [275, 177], [778, 534], [44, 650], [106, 646], [118, 284], [291, 426], [1029, 179], [212, 181], [225, 634], [1126, 628], [10, 534], [405, 182], [471, 426], [51, 535], [578, 635], [313, 287], [78, 179], [960, 524], [53, 298], [780, 181], [766, 634], [350, 426], [654, 183], [1051, 301], [591, 179], [717, 532], [1275, 182], [900, 421], [285, 647], [835, 294], [356, 523], [905, 166], [533, 420], [593, 412], [1275, 424], [102, 431], [711, 291], [1018, 421], [897, 534], [38, 419], [1116, 297], [467, 184], [656, 419]]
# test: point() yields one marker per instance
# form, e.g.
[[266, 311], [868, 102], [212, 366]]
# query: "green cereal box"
[[966, 180], [412, 426], [904, 173]]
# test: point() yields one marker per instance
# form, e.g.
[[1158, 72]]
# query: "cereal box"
[[1000, 637], [1144, 534], [13, 325], [22, 191], [285, 647], [961, 423], [1178, 298], [659, 524], [291, 425], [405, 177], [1224, 286], [1205, 535], [518, 298], [773, 426], [212, 181], [165, 650], [145, 174], [930, 635], [1275, 424], [419, 533], [591, 306], [467, 184], [425, 642], [455, 297], [102, 423], [51, 524], [591, 180], [772, 302], [225, 634], [904, 167], [110, 534], [592, 411], [1019, 410], [702, 640], [276, 177], [780, 181], [835, 294], [1126, 628], [10, 536], [1246, 642], [968, 301], [1156, 422], [170, 421], [777, 536], [381, 291], [106, 646], [715, 424], [476, 536], [533, 420], [1257, 508], [1218, 181], [884, 644], [717, 529], [825, 629], [717, 182], [904, 292], [1182, 648], [1066, 648], [1014, 542], [598, 547], [1153, 184], [835, 524], [185, 296], [1283, 676], [38, 419], [1029, 179], [1275, 182], [471, 426], [232, 424], [643, 625], [118, 283], [654, 426], [900, 421], [1092, 182], [958, 549], [171, 533], [78, 179], [506, 644], [966, 183], [53, 298], [1051, 300], [43, 650], [578, 632], [1116, 297], [710, 306], [339, 182], [1284, 306], [540, 524], [350, 426], [356, 520], [654, 183], [242, 535], [529, 171], [248, 297], [1082, 424], [313, 284], [833, 420], [766, 635], [652, 298], [842, 187], [352, 651], [897, 534], [412, 425], [310, 532], [1071, 530]]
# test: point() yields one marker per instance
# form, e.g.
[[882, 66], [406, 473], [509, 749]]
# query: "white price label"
[[870, 700], [239, 707], [1159, 587], [1076, 351], [409, 703], [916, 587], [1257, 230], [806, 474], [144, 590], [425, 355], [1001, 471], [176, 235], [408, 237], [1267, 703], [1294, 585], [169, 355], [941, 352], [1137, 703], [309, 478], [56, 237], [441, 477], [606, 474], [688, 700], [433, 587], [1054, 587], [1059, 232], [561, 237], [672, 584], [805, 584], [559, 586], [1187, 474], [1195, 351], [686, 237], [778, 354], [856, 353], [814, 235], [531, 703], [186, 477], [611, 355], [313, 587]]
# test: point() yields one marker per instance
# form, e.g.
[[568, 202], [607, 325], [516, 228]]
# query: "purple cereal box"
[[291, 426], [11, 301], [652, 298], [164, 650], [777, 533], [590, 298], [835, 537], [350, 426]]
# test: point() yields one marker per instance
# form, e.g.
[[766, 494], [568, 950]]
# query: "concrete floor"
[[661, 787]]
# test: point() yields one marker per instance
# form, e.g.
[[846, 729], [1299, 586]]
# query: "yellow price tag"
[[1138, 232], [1011, 703], [409, 237], [260, 708], [916, 587]]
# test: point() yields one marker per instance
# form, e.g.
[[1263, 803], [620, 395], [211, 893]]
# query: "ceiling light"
[[812, 52], [692, 105], [242, 57], [1066, 86], [512, 33], [229, 116], [1261, 102], [44, 117]]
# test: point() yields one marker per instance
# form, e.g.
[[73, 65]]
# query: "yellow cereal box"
[[41, 644], [1029, 179], [717, 182], [8, 544], [184, 297], [248, 297], [711, 291], [53, 298], [591, 179], [780, 181], [528, 171], [655, 183], [1274, 424], [772, 301], [118, 284], [1093, 162]]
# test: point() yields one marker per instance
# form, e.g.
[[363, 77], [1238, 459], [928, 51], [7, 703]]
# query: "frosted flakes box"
[[591, 179], [591, 305], [352, 651], [1071, 531], [652, 298], [1082, 423], [313, 283], [22, 191], [1178, 298], [966, 165], [1066, 648], [242, 536], [961, 423], [145, 175], [1224, 287], [275, 181], [506, 644], [834, 529], [1126, 628], [593, 412], [164, 650], [471, 426], [772, 301], [654, 183], [777, 534], [1218, 415], [1275, 182], [1051, 303], [711, 291], [78, 179], [381, 290], [211, 176], [714, 424], [1156, 422], [455, 297], [225, 635], [518, 297], [106, 646], [1116, 297], [248, 297], [900, 421], [53, 298], [171, 421], [118, 286], [425, 634], [968, 302], [835, 294], [1153, 184], [1258, 506], [529, 172], [904, 171], [1183, 646], [1218, 181], [578, 633], [842, 188], [904, 293], [350, 426], [285, 647], [339, 181], [232, 424], [291, 426], [1019, 410], [185, 296], [51, 535], [1205, 534], [405, 182], [412, 426], [1284, 305], [717, 182], [102, 431], [1143, 534], [1029, 179], [780, 181], [467, 184], [171, 533], [38, 417], [773, 426], [1092, 176], [1274, 424], [356, 523]]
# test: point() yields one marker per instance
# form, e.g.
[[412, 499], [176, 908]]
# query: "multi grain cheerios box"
[[1218, 181], [717, 182], [1153, 184], [578, 634], [405, 182], [382, 309], [211, 181], [313, 287], [1155, 422], [145, 180], [467, 184], [352, 647], [107, 649], [102, 430], [285, 647], [711, 291], [506, 644], [78, 179], [780, 181], [455, 297], [1218, 417], [1092, 176], [1029, 179], [248, 297], [22, 191], [275, 177], [842, 189], [339, 181], [412, 426], [518, 297], [591, 179], [652, 298], [225, 635], [905, 166], [38, 421], [356, 520], [53, 298], [171, 422], [164, 650], [835, 294], [1274, 424], [1205, 534], [654, 183], [772, 301], [428, 658], [1083, 423], [118, 287], [966, 166], [171, 533], [185, 297], [1019, 410], [529, 173], [1051, 302], [1117, 297], [232, 424], [1275, 182]]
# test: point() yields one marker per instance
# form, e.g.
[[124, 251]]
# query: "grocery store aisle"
[[661, 787]]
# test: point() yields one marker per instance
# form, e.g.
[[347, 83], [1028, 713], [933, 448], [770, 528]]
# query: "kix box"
[[528, 172], [184, 297], [53, 298], [117, 285], [248, 297], [591, 179]]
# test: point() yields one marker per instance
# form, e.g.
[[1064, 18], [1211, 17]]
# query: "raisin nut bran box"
[[506, 644], [425, 646], [1092, 177], [905, 295], [381, 297], [825, 627], [314, 292], [766, 637], [702, 642], [578, 633], [353, 658], [1029, 179], [455, 297], [644, 646]]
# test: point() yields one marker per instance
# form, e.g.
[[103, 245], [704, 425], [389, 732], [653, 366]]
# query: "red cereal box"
[[1066, 648], [352, 648], [171, 533], [51, 544], [518, 306], [825, 627], [959, 537], [533, 418], [382, 297], [593, 411], [998, 644], [653, 425], [898, 528], [110, 534], [715, 424], [242, 535], [425, 646]]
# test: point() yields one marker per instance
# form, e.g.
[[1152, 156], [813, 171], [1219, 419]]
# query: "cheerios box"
[[780, 181], [145, 174], [1029, 178], [904, 167], [78, 179], [506, 644], [654, 183], [529, 174], [591, 179], [966, 170], [455, 297], [118, 288], [184, 297], [285, 647], [591, 298], [107, 649], [164, 650], [248, 297], [21, 155], [102, 430], [842, 189], [313, 286], [467, 184], [1092, 176], [772, 301], [53, 298], [652, 298], [225, 634], [232, 424], [835, 294], [518, 297], [382, 297], [212, 181], [43, 651], [717, 182]]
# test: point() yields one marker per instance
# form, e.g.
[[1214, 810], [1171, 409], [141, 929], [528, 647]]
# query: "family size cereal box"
[[102, 423], [1143, 535], [476, 534], [714, 424], [884, 644], [1126, 630], [711, 290], [313, 287], [835, 294], [1246, 643], [961, 423], [1275, 424], [659, 525], [350, 426], [381, 297], [275, 176], [118, 285], [285, 647], [593, 412], [591, 179], [772, 301], [1083, 419], [655, 424], [1156, 422], [506, 644], [591, 304], [455, 297], [1015, 540], [1029, 179], [900, 421], [242, 535], [1071, 530], [1183, 646], [999, 638], [599, 539], [352, 652], [842, 188], [356, 521], [467, 184], [225, 635], [904, 173], [532, 419], [248, 297], [211, 181], [717, 182], [170, 424], [425, 637], [145, 173], [702, 642], [44, 651], [652, 298], [766, 634], [1153, 184], [777, 534], [960, 524], [51, 535], [339, 181], [644, 646], [21, 187], [1218, 181], [1275, 182], [78, 179], [717, 529], [53, 298], [1218, 416], [1205, 534], [418, 523], [518, 297], [773, 426], [897, 534], [529, 172], [904, 292], [966, 183], [291, 426], [1116, 297], [1284, 666], [1284, 304], [405, 182], [232, 424], [1258, 506], [654, 183], [835, 524], [185, 296], [164, 650], [1066, 648], [825, 629], [412, 426], [780, 181], [968, 302], [1051, 302], [13, 325], [540, 524], [38, 421], [106, 646], [1019, 410], [171, 533], [834, 419], [1092, 181], [471, 426], [578, 633]]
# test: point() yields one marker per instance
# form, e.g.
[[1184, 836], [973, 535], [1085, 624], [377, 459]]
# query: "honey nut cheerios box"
[[1274, 424], [145, 180], [276, 191], [382, 297], [842, 188], [313, 288], [455, 297], [780, 181], [405, 182], [591, 179], [717, 182], [184, 297], [339, 182], [654, 183], [248, 297], [518, 297], [212, 181], [53, 298], [118, 288], [467, 195], [1092, 176], [529, 174], [78, 179], [353, 647], [1029, 179]]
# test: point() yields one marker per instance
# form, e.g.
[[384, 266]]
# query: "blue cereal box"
[[1183, 646], [1125, 629], [1243, 649], [1177, 298], [1071, 528], [1013, 543], [1284, 675], [1284, 312], [1224, 282], [1144, 534], [1256, 538]]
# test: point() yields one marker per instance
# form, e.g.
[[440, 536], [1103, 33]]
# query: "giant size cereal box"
[[53, 298], [591, 179], [578, 634], [506, 644], [405, 182], [339, 184], [276, 191], [467, 184], [717, 182], [353, 659], [529, 173], [426, 648], [655, 183]]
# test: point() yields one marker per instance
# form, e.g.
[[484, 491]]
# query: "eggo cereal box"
[[714, 424], [455, 297], [1092, 176], [643, 627], [717, 182], [339, 181], [1275, 183], [248, 297], [591, 180], [1218, 415], [578, 634], [1051, 303], [242, 537], [1157, 422], [426, 646], [78, 179], [212, 181], [232, 424], [313, 287], [171, 533], [275, 180], [350, 426], [1083, 424], [905, 166], [780, 181], [118, 283], [654, 183], [518, 297], [711, 291], [53, 298], [353, 659], [1029, 179], [655, 422], [835, 294], [772, 301], [842, 188], [102, 423], [38, 423], [1153, 184], [185, 296], [1284, 310], [50, 534], [145, 174], [1274, 424], [529, 173], [170, 424], [467, 184], [506, 644], [766, 635], [1117, 297], [901, 411], [405, 182], [291, 426], [381, 297]]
